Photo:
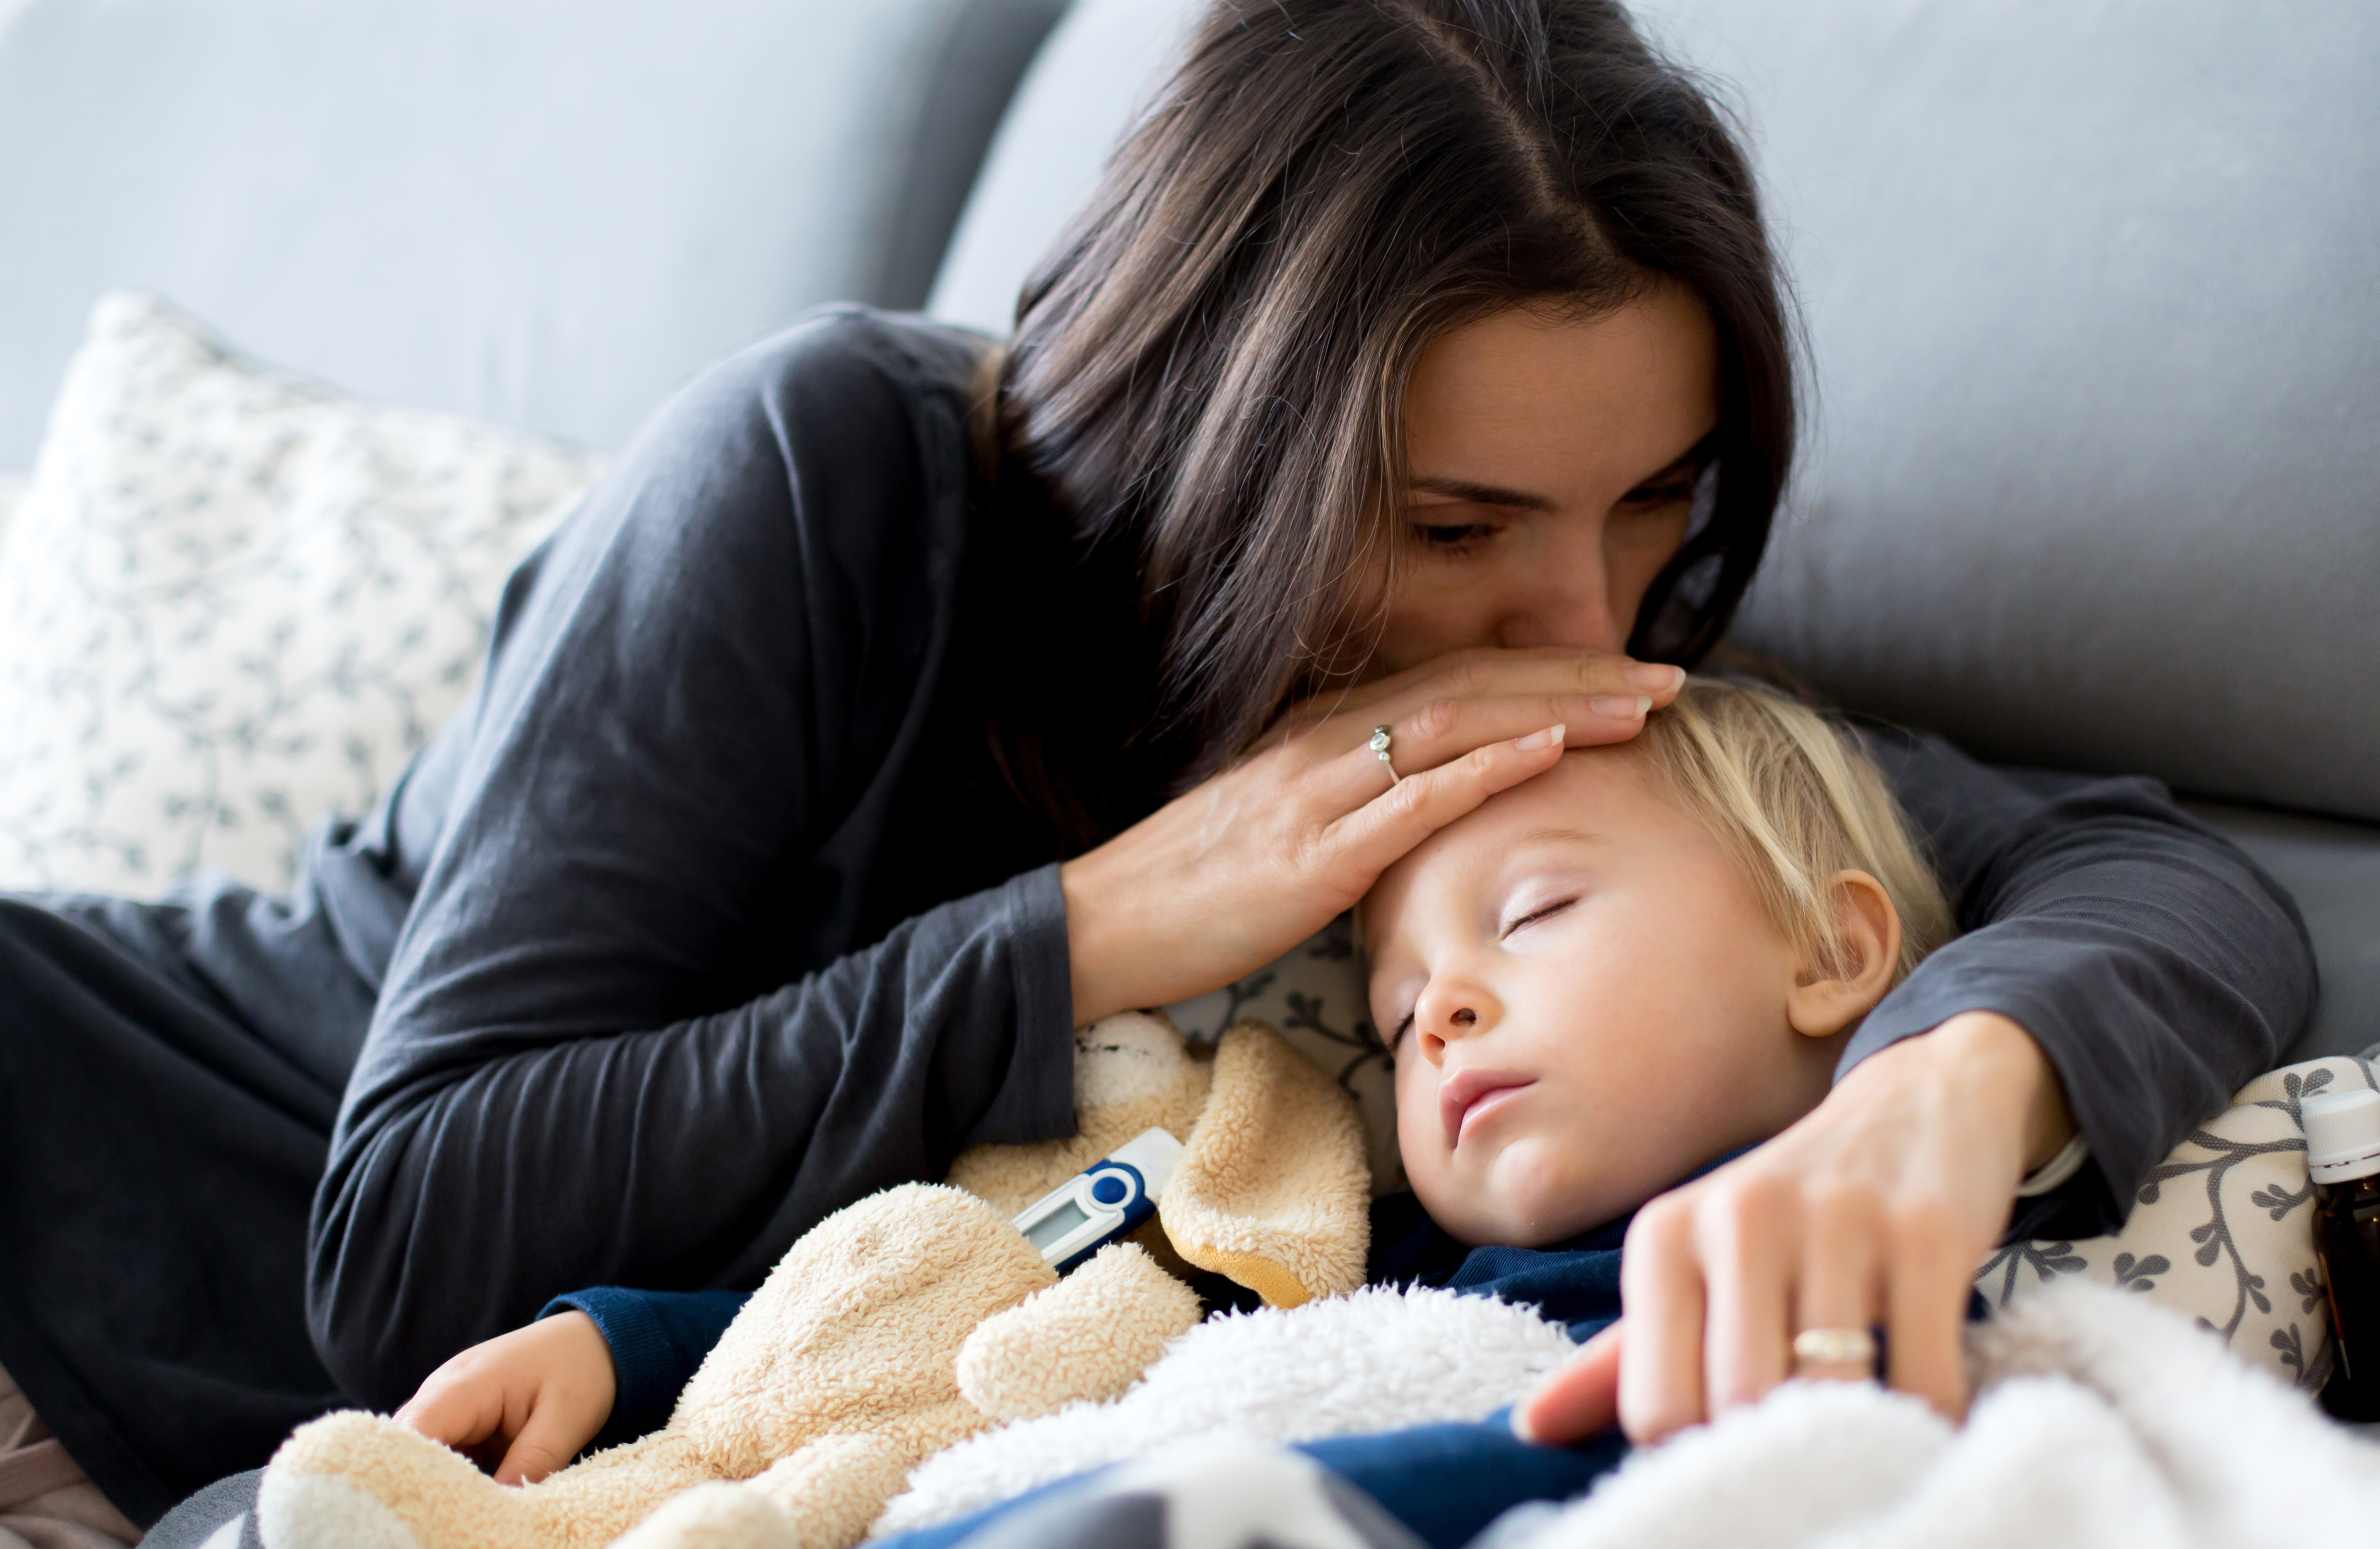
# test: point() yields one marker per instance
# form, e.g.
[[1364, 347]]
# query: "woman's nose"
[[1563, 598]]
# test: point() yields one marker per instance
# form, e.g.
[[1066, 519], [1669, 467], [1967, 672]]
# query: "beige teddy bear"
[[904, 1322]]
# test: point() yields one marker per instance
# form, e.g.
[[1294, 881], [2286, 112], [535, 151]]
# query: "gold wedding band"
[[1379, 745], [1834, 1347]]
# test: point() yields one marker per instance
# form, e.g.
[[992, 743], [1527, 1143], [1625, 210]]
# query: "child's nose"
[[1454, 1011]]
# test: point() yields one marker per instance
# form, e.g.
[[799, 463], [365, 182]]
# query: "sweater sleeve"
[[658, 1340], [2155, 964], [617, 1042]]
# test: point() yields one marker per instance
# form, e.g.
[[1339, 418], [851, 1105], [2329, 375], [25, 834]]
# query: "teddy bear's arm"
[[1088, 1337]]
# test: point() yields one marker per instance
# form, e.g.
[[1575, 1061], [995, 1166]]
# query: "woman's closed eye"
[[1453, 538], [1654, 495]]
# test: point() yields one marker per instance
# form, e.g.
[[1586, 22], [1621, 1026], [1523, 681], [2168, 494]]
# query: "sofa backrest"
[[2092, 477], [2094, 294], [1072, 105], [542, 212]]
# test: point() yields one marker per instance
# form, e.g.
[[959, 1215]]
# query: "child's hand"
[[539, 1394]]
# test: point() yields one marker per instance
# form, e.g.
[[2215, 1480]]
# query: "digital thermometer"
[[1101, 1203]]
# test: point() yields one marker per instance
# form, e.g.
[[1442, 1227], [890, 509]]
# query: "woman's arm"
[[2156, 967], [623, 1037], [2121, 962]]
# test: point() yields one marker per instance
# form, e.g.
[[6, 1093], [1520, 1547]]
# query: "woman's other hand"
[[1872, 1211], [533, 1398], [1236, 872]]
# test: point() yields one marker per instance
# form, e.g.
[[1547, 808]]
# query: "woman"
[[896, 706]]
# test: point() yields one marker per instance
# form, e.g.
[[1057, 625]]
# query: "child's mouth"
[[1469, 1096]]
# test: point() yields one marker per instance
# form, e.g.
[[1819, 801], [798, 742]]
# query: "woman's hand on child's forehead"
[[1238, 870]]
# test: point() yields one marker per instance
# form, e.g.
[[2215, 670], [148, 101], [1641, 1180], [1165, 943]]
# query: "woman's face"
[[1552, 463]]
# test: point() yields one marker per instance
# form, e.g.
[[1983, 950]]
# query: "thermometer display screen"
[[1057, 1224]]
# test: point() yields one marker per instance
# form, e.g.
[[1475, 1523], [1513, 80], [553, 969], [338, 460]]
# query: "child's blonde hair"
[[1797, 799]]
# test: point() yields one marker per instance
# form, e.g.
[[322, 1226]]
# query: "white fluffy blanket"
[[2101, 1419], [1378, 1360]]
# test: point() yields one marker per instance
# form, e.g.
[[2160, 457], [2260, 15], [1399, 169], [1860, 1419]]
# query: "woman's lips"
[[1468, 1095]]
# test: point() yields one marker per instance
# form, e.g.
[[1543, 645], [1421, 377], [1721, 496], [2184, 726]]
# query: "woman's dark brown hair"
[[1204, 395]]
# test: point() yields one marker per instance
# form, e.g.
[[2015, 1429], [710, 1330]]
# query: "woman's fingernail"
[[1544, 739], [1520, 1423], [1654, 677], [1620, 707]]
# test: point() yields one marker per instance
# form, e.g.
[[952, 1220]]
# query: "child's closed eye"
[[1542, 912]]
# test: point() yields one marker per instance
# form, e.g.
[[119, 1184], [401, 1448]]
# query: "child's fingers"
[[1579, 1400], [550, 1438], [455, 1409]]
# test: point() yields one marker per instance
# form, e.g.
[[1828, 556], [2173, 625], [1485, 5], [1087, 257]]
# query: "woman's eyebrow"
[[1480, 494], [1693, 457]]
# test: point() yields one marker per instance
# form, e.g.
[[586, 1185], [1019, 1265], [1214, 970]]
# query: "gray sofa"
[[2093, 481]]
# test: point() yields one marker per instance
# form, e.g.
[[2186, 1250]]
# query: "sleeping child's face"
[[1586, 1002]]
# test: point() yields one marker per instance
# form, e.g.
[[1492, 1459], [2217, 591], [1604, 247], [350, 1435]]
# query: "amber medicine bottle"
[[2343, 1154]]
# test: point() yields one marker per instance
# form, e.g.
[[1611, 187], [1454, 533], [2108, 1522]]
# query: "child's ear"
[[1825, 1000]]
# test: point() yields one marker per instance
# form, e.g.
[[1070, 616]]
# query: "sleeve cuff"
[[1036, 1099], [2057, 1171], [645, 1363]]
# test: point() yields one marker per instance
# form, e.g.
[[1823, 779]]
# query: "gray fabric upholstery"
[[542, 211], [1069, 110], [2334, 871], [2090, 293]]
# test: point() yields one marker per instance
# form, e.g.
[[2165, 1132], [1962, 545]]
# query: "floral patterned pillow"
[[232, 599], [2223, 1229]]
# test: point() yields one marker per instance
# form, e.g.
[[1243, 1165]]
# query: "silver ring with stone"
[[1379, 746]]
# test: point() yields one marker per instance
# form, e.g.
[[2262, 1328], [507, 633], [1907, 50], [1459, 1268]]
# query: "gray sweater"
[[711, 914]]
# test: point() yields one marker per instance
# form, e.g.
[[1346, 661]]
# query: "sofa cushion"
[[541, 213], [1068, 113], [233, 600]]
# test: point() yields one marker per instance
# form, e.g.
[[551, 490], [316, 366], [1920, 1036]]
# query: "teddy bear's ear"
[[1132, 1070], [1272, 1189]]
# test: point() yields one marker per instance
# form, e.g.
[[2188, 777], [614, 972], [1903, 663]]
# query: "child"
[[1612, 977], [1596, 985]]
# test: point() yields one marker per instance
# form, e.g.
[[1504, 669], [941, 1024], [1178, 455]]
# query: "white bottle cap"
[[2343, 1132]]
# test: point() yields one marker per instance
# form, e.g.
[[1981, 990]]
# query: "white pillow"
[[233, 599], [12, 491]]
